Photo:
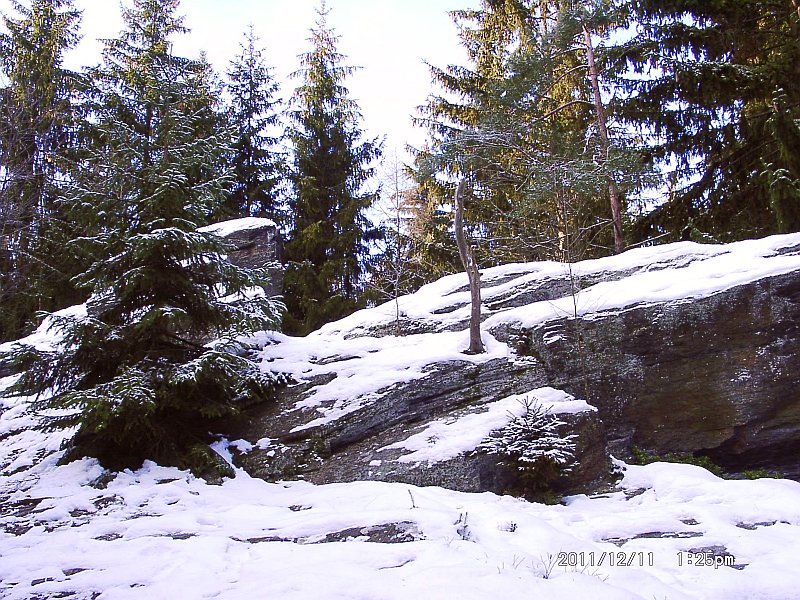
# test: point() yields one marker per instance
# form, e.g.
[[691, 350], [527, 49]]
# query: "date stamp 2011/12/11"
[[705, 559], [605, 559]]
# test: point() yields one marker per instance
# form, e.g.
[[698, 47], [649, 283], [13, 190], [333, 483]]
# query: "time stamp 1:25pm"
[[641, 559]]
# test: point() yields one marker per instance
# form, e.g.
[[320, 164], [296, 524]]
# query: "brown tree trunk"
[[613, 190], [468, 260]]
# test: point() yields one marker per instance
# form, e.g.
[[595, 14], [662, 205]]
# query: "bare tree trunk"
[[470, 266], [613, 190], [399, 270]]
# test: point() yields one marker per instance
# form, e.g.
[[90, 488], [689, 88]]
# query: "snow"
[[364, 368], [226, 228], [75, 531], [445, 439], [46, 338], [654, 275], [160, 533], [358, 368]]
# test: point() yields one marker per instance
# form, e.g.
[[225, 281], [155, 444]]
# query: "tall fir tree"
[[329, 235], [709, 80], [205, 97], [36, 121], [253, 115], [134, 373], [432, 251], [486, 34]]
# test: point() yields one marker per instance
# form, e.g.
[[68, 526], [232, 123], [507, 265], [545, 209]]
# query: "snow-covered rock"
[[257, 244], [684, 348]]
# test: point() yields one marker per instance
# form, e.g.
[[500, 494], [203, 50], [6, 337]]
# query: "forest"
[[576, 130]]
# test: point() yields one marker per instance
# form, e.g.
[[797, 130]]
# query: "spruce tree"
[[36, 120], [703, 77], [253, 116], [486, 34], [432, 251], [137, 373], [528, 130], [782, 172], [330, 232]]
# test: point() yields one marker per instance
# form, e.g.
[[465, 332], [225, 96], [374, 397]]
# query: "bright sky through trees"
[[388, 39]]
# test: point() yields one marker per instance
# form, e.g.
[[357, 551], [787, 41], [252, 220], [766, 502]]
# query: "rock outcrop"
[[258, 244], [683, 349], [717, 376], [360, 446]]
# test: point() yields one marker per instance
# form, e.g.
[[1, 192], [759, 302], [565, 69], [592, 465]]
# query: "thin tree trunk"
[[468, 260], [399, 270], [613, 190]]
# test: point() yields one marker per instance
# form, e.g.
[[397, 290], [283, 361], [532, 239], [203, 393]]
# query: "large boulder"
[[718, 376], [446, 412], [686, 349]]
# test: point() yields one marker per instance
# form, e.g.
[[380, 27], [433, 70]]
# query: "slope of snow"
[[654, 275], [47, 336], [160, 533], [74, 531], [365, 366]]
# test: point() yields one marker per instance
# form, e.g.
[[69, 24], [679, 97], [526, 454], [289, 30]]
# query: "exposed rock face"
[[718, 376], [683, 349], [354, 448], [258, 244]]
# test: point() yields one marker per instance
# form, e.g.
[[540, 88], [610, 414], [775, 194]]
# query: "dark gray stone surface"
[[717, 376], [351, 448], [259, 247]]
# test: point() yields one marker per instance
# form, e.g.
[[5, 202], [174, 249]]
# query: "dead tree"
[[613, 190], [471, 267]]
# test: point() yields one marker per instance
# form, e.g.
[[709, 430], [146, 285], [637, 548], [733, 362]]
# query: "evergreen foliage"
[[526, 132], [704, 78], [137, 374], [532, 445], [328, 246], [432, 251], [36, 124], [253, 116], [106, 177]]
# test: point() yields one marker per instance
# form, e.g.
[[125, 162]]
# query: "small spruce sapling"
[[532, 445]]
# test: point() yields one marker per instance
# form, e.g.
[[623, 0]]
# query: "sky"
[[388, 40]]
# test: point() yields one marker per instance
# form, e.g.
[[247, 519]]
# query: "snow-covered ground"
[[673, 272], [666, 532], [160, 533]]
